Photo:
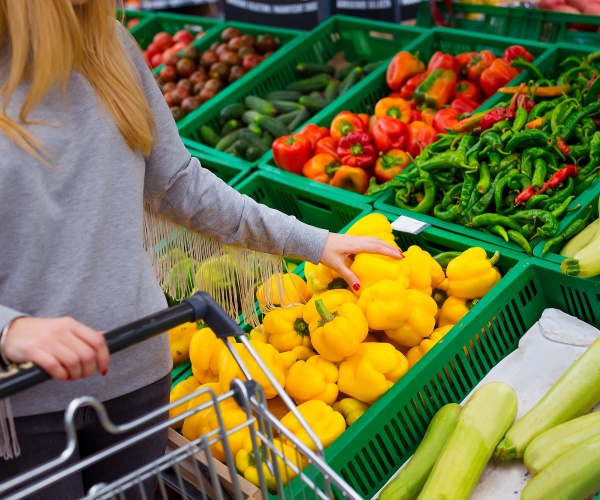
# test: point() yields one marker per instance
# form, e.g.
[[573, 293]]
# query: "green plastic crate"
[[586, 200], [231, 174], [180, 373], [142, 15], [171, 23], [355, 38], [311, 206], [363, 100]]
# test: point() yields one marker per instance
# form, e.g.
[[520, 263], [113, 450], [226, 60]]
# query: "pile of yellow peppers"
[[334, 350]]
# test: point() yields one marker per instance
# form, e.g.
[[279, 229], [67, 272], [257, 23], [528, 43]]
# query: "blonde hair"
[[48, 39]]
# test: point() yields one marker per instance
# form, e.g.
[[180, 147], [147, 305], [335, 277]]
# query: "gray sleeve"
[[7, 315], [179, 188]]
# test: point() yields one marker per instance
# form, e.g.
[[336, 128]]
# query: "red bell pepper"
[[420, 135], [291, 152], [494, 116], [496, 76], [444, 61], [365, 119], [478, 64], [327, 145], [408, 89], [390, 164], [357, 150], [353, 179], [437, 89], [314, 133], [321, 168], [393, 107], [514, 51], [464, 106], [444, 119], [344, 123], [402, 66], [463, 59], [468, 89], [389, 133], [415, 116]]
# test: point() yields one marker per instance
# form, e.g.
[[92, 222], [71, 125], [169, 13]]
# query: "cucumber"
[[350, 80], [313, 103], [250, 116], [209, 136], [230, 126], [341, 73], [283, 95], [267, 138], [575, 393], [553, 443], [317, 82], [286, 106], [238, 148], [287, 118], [574, 475], [310, 69], [253, 140], [332, 90], [227, 141], [369, 68], [300, 119], [253, 154], [271, 125], [408, 483], [255, 128], [484, 419], [232, 111], [263, 106]]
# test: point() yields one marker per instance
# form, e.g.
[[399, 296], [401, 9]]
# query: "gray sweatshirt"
[[72, 235]]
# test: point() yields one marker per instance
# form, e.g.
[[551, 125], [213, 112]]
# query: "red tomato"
[[151, 51], [156, 61], [162, 40], [183, 36]]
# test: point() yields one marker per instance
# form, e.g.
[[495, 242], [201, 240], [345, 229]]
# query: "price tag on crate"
[[406, 224]]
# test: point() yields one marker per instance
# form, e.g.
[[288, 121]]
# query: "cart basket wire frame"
[[263, 427]]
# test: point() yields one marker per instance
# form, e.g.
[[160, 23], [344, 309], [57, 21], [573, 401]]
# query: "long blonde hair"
[[48, 39]]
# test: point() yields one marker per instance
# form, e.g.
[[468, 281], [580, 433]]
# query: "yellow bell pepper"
[[182, 389], [291, 286], [471, 275], [416, 353], [453, 310], [420, 321], [332, 300], [320, 278], [424, 272], [371, 268], [338, 333], [384, 304], [369, 373], [351, 409], [296, 354], [192, 424], [258, 334], [179, 340], [286, 328], [375, 225], [229, 369], [326, 423], [205, 350], [277, 407], [245, 463], [315, 378]]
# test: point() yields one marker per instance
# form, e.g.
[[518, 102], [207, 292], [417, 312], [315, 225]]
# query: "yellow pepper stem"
[[494, 258], [338, 284], [326, 316]]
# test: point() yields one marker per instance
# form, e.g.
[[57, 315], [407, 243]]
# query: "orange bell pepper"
[[408, 89], [428, 114], [402, 66], [477, 64], [437, 90], [365, 118], [314, 133], [327, 145], [390, 164], [496, 76], [393, 107], [353, 179], [344, 123], [320, 168]]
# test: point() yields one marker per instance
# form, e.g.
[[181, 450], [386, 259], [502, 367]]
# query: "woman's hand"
[[340, 246], [63, 347]]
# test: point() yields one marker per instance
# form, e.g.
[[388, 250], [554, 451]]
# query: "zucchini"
[[350, 80], [484, 419], [253, 140], [286, 106], [408, 483], [232, 111], [283, 95], [574, 475], [575, 393], [271, 125], [311, 69], [263, 106], [586, 262], [580, 240], [209, 136], [299, 119], [553, 443], [230, 126], [317, 82], [227, 141], [313, 103]]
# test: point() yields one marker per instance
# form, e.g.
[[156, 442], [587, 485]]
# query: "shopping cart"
[[189, 466]]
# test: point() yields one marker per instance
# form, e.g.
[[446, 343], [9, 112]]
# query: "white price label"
[[406, 224]]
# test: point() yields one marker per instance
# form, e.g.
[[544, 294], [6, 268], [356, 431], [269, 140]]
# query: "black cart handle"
[[199, 306]]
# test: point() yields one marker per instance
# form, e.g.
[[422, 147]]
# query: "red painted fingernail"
[[401, 254], [68, 377], [356, 286], [103, 373]]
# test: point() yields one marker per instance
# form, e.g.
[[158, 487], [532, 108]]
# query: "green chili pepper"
[[521, 63], [528, 230], [450, 159], [539, 173], [500, 185], [561, 112], [484, 178], [519, 182], [426, 204], [562, 194], [480, 207], [520, 120], [444, 258], [588, 181], [452, 193], [529, 138], [580, 150], [535, 201], [499, 230], [571, 60], [467, 189], [588, 127], [571, 230], [519, 239], [494, 158], [592, 92], [540, 109], [562, 208], [593, 56], [550, 224], [568, 126], [494, 219], [449, 214]]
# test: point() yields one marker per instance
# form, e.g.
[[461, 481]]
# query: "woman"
[[87, 138]]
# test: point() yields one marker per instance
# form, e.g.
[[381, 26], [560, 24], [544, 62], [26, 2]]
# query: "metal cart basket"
[[189, 468]]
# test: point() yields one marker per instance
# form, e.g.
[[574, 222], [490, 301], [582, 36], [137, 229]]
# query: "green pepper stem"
[[326, 316], [338, 284], [494, 258]]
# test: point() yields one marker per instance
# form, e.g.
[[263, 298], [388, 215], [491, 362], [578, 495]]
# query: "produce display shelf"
[[518, 22], [363, 100], [311, 206], [231, 174], [357, 39]]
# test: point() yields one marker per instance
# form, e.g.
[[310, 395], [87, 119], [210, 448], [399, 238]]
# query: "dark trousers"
[[42, 438]]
